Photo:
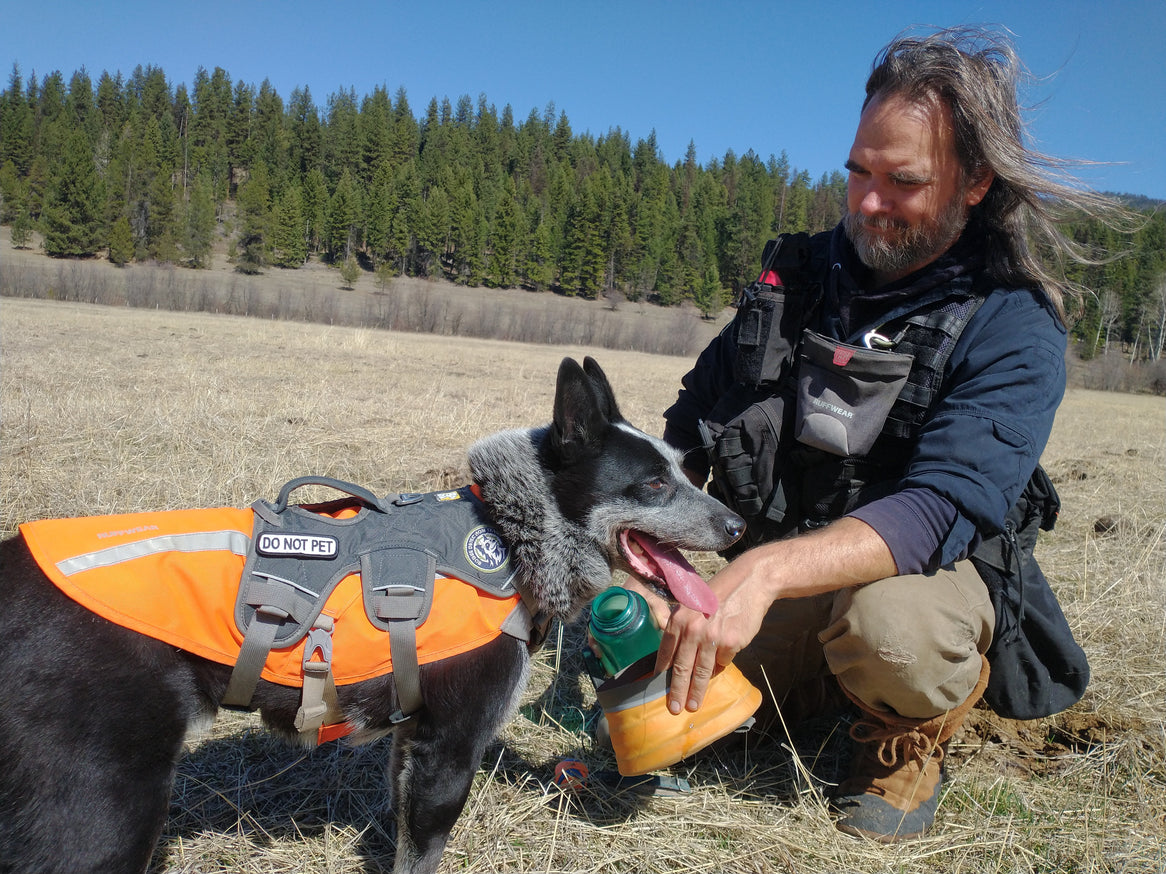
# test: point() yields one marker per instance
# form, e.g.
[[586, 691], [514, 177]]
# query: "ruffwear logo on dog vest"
[[287, 544], [486, 550]]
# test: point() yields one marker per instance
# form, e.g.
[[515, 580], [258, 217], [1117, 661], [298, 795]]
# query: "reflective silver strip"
[[201, 541]]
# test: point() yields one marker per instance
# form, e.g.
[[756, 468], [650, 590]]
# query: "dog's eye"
[[655, 484]]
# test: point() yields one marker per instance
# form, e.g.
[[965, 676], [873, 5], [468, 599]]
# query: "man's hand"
[[697, 647], [846, 553]]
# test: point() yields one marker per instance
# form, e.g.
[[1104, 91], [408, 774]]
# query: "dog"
[[93, 715]]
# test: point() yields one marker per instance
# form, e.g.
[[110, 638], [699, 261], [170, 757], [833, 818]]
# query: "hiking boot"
[[892, 793]]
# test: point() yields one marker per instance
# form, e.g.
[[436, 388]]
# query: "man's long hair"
[[977, 73]]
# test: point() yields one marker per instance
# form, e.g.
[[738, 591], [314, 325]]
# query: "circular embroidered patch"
[[486, 550]]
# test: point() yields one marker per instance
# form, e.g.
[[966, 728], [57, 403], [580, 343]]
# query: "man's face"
[[906, 197]]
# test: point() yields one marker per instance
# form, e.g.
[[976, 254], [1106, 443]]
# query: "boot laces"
[[892, 744]]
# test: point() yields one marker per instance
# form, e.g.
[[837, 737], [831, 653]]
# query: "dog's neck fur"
[[546, 545]]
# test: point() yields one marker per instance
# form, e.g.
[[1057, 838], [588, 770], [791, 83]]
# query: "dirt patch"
[[1047, 746]]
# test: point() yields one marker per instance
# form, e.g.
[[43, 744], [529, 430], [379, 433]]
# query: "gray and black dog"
[[93, 715]]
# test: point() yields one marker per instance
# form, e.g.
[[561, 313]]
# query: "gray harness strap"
[[298, 556], [398, 605]]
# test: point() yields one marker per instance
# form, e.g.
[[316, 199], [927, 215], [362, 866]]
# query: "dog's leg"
[[468, 698]]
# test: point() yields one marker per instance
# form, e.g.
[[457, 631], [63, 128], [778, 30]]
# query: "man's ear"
[[580, 416], [977, 189]]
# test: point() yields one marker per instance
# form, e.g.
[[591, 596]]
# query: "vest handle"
[[348, 488]]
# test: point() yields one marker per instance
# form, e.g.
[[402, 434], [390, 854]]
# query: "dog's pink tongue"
[[672, 568]]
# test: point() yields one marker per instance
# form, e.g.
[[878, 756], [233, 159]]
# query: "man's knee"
[[911, 644]]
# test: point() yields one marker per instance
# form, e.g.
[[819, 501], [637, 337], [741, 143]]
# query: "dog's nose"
[[735, 526]]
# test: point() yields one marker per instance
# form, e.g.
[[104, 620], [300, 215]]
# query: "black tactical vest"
[[781, 485]]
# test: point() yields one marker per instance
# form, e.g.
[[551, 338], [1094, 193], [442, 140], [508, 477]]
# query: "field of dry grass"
[[115, 409]]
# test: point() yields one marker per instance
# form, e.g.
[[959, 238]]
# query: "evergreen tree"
[[708, 295], [305, 149], [13, 194], [289, 239], [53, 125], [198, 237], [501, 270], [111, 110], [254, 222], [349, 271], [343, 217], [341, 136], [121, 242], [208, 129], [539, 268], [407, 214], [315, 201], [22, 230], [240, 146], [378, 214], [16, 125], [375, 123], [796, 215], [270, 139], [405, 135], [432, 231], [74, 209], [162, 223], [80, 105]]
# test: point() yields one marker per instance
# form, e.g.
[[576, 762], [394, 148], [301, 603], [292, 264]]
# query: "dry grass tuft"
[[110, 410]]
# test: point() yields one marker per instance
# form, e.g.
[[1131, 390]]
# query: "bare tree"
[[1109, 311], [1156, 328]]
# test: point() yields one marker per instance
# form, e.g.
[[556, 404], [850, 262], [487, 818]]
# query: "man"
[[857, 577]]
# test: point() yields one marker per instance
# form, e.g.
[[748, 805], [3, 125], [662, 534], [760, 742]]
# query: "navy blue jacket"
[[984, 436]]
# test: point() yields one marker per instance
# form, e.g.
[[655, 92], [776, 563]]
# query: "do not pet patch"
[[286, 544]]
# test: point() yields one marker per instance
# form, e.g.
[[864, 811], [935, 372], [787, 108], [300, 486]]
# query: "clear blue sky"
[[766, 76]]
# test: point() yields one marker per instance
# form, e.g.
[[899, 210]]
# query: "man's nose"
[[873, 202]]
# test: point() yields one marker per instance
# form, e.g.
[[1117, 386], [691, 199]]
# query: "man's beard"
[[898, 252]]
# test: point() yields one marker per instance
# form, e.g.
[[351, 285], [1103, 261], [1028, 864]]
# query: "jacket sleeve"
[[701, 388], [985, 437]]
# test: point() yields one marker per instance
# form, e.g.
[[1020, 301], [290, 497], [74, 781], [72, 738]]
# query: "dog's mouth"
[[665, 566]]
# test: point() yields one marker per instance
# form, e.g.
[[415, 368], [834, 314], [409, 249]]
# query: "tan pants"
[[909, 644]]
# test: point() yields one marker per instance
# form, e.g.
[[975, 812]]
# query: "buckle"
[[319, 641]]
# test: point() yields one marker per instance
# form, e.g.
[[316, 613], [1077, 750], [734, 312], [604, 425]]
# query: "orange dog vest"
[[175, 576]]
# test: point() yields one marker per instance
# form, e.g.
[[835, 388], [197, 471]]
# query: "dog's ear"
[[581, 413], [603, 388]]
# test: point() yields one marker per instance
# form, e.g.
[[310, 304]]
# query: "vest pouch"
[[845, 393], [766, 318], [746, 464]]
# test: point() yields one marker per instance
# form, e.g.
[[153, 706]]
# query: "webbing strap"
[[252, 655], [406, 671], [273, 605], [319, 704], [400, 605]]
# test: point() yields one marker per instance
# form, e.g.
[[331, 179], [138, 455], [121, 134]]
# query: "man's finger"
[[702, 674], [679, 693]]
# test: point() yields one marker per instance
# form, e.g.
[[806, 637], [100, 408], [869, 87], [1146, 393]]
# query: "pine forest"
[[140, 168]]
